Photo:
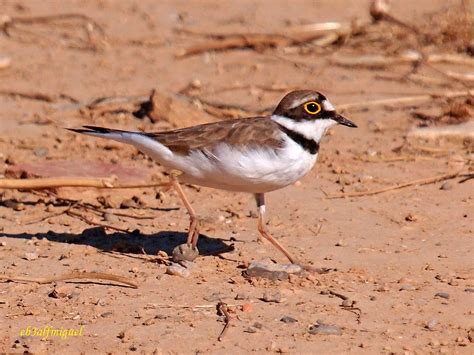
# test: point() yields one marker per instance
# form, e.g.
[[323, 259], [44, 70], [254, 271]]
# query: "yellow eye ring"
[[312, 107]]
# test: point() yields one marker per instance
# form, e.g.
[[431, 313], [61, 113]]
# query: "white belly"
[[261, 170], [244, 169]]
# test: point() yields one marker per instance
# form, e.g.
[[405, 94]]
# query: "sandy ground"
[[404, 257]]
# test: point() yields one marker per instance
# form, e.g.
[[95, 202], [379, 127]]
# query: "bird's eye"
[[312, 107]]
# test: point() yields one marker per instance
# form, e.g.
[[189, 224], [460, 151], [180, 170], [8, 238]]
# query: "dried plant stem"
[[65, 211], [28, 95], [424, 181], [92, 223], [223, 309], [71, 276], [382, 61], [47, 183], [297, 35], [407, 99]]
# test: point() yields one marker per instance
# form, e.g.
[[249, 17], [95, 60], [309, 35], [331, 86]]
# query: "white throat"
[[314, 130]]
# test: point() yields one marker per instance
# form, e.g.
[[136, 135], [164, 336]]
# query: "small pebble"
[[109, 217], [62, 292], [185, 252], [247, 307], [269, 270], [10, 160], [30, 256], [410, 217], [5, 61], [241, 296], [407, 288], [341, 243], [446, 186], [431, 325], [177, 270], [275, 297], [187, 264], [40, 151], [288, 319], [325, 329], [347, 303], [470, 335], [444, 295], [214, 297], [469, 290], [134, 202]]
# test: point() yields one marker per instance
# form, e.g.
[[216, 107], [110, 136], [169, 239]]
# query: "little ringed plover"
[[255, 155]]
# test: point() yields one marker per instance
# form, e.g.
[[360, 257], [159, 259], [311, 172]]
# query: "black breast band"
[[309, 145]]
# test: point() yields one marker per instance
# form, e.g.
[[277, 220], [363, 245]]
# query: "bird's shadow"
[[133, 243]]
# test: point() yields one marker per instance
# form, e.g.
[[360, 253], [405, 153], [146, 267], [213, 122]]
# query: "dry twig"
[[347, 304], [48, 183], [93, 223], [65, 211], [28, 95], [407, 100], [327, 33], [71, 276], [222, 308], [93, 34], [379, 10], [424, 181], [409, 57]]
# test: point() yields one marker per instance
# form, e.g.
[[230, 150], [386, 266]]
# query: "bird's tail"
[[142, 141], [115, 134]]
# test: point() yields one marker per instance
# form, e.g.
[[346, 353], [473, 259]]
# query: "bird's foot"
[[186, 252]]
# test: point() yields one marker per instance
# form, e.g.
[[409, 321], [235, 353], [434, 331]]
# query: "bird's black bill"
[[344, 121]]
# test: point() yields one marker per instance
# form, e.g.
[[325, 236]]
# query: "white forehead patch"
[[328, 106], [301, 101]]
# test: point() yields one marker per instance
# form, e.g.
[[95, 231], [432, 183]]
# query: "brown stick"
[[222, 308], [65, 211], [381, 61], [235, 41], [407, 99], [7, 24], [28, 95], [47, 183], [291, 36], [92, 223], [72, 275], [339, 295], [424, 181]]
